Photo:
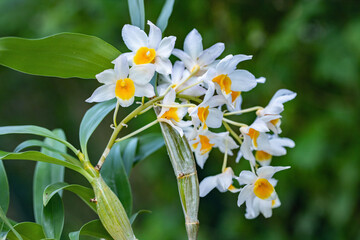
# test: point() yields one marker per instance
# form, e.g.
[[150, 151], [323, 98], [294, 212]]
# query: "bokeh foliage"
[[311, 47]]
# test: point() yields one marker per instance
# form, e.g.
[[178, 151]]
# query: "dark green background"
[[311, 47]]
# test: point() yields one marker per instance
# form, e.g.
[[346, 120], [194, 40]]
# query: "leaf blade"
[[165, 14], [93, 228], [61, 55], [53, 218]]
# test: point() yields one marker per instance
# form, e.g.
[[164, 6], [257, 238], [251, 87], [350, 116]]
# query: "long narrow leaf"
[[62, 55], [93, 229], [137, 13], [91, 120], [46, 173], [53, 218], [165, 14], [114, 174], [84, 193], [35, 130], [4, 188], [148, 144], [8, 224], [28, 231]]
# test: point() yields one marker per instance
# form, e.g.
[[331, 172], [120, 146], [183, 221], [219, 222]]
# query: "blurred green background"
[[309, 46]]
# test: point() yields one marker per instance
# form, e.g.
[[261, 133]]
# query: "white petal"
[[201, 158], [209, 55], [214, 119], [154, 35], [169, 97], [142, 74], [185, 58], [238, 157], [107, 77], [102, 93], [163, 65], [193, 44], [126, 103], [246, 177], [207, 184], [121, 67], [177, 71], [242, 80], [228, 64], [265, 208], [195, 91], [246, 149], [144, 90], [245, 194], [268, 171], [166, 47], [134, 37], [178, 129]]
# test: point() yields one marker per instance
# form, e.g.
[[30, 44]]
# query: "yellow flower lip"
[[203, 113], [262, 156], [263, 188], [206, 146], [145, 55], [125, 89], [171, 114], [224, 82], [254, 135]]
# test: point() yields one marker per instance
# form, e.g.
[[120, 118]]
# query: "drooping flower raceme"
[[124, 83], [197, 96]]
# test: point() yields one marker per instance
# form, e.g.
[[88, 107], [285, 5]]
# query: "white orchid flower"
[[255, 137], [276, 148], [229, 81], [222, 181], [275, 107], [152, 49], [124, 83], [180, 77], [194, 57], [260, 187], [207, 113], [174, 114], [206, 140]]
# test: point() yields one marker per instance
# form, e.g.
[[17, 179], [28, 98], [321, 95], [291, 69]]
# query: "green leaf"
[[46, 173], [37, 143], [35, 130], [82, 192], [134, 216], [28, 231], [91, 120], [129, 154], [137, 13], [53, 217], [114, 174], [93, 228], [8, 224], [4, 188], [37, 156], [148, 144], [63, 55], [165, 14]]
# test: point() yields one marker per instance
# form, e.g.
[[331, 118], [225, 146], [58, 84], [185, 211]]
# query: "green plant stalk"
[[183, 163]]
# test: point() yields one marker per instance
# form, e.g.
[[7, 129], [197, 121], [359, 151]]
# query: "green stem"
[[234, 123], [244, 111], [232, 132], [137, 131]]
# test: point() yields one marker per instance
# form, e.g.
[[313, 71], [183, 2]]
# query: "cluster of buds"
[[199, 93]]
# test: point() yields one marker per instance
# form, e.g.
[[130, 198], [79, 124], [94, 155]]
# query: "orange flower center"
[[263, 189], [125, 89], [224, 82], [206, 146], [203, 113], [254, 135], [171, 114], [262, 156], [145, 55], [234, 95]]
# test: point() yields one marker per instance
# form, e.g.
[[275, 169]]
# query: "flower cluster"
[[197, 94]]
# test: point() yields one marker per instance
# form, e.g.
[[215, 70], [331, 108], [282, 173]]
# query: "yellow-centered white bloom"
[[275, 107], [229, 81], [223, 182], [173, 115], [203, 141], [124, 83], [276, 147], [180, 76], [194, 57], [152, 49], [259, 186]]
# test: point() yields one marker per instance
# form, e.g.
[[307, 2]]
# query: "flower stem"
[[234, 123], [137, 131], [195, 71], [116, 112], [117, 129], [232, 132], [243, 111]]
